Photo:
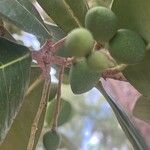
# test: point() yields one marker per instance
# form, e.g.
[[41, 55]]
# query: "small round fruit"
[[65, 112], [82, 78], [99, 61], [79, 42], [102, 23], [127, 47], [51, 140]]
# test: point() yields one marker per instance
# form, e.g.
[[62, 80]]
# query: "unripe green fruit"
[[79, 42], [65, 112], [102, 23], [82, 78], [99, 61], [127, 47], [51, 140]]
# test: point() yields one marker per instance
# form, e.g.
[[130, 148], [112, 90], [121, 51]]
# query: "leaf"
[[67, 14], [134, 14], [127, 125], [15, 63], [23, 14], [65, 112], [57, 34], [19, 134], [55, 31], [6, 35], [142, 109], [105, 3], [139, 75]]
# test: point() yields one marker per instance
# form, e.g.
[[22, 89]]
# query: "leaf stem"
[[42, 106], [34, 84], [58, 101]]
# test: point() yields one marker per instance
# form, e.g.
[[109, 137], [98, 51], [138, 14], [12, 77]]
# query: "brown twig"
[[115, 73], [58, 45], [42, 105], [118, 76], [58, 101], [35, 84]]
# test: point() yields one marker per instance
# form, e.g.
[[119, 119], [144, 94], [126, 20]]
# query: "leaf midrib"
[[15, 61], [72, 13]]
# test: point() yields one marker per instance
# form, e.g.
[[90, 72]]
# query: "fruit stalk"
[[42, 106], [58, 101]]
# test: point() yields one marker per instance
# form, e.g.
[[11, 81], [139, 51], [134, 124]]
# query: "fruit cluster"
[[101, 27]]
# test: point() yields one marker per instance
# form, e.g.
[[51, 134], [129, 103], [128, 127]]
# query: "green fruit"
[[79, 42], [53, 91], [65, 112], [51, 140], [82, 78], [127, 47], [99, 61], [102, 23]]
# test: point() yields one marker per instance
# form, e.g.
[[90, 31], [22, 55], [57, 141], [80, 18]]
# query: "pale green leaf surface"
[[139, 75], [142, 109]]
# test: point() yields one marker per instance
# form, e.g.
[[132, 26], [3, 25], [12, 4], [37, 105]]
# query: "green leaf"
[[6, 35], [19, 134], [134, 14], [139, 75], [142, 109], [23, 14], [65, 112], [55, 31], [67, 14], [105, 3], [15, 61], [127, 125]]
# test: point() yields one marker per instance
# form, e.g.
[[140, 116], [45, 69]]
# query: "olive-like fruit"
[[65, 112], [102, 23], [51, 140], [127, 47], [79, 42], [99, 61], [82, 78]]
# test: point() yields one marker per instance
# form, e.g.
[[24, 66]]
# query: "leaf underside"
[[141, 109], [127, 125], [67, 14], [23, 14], [15, 63]]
